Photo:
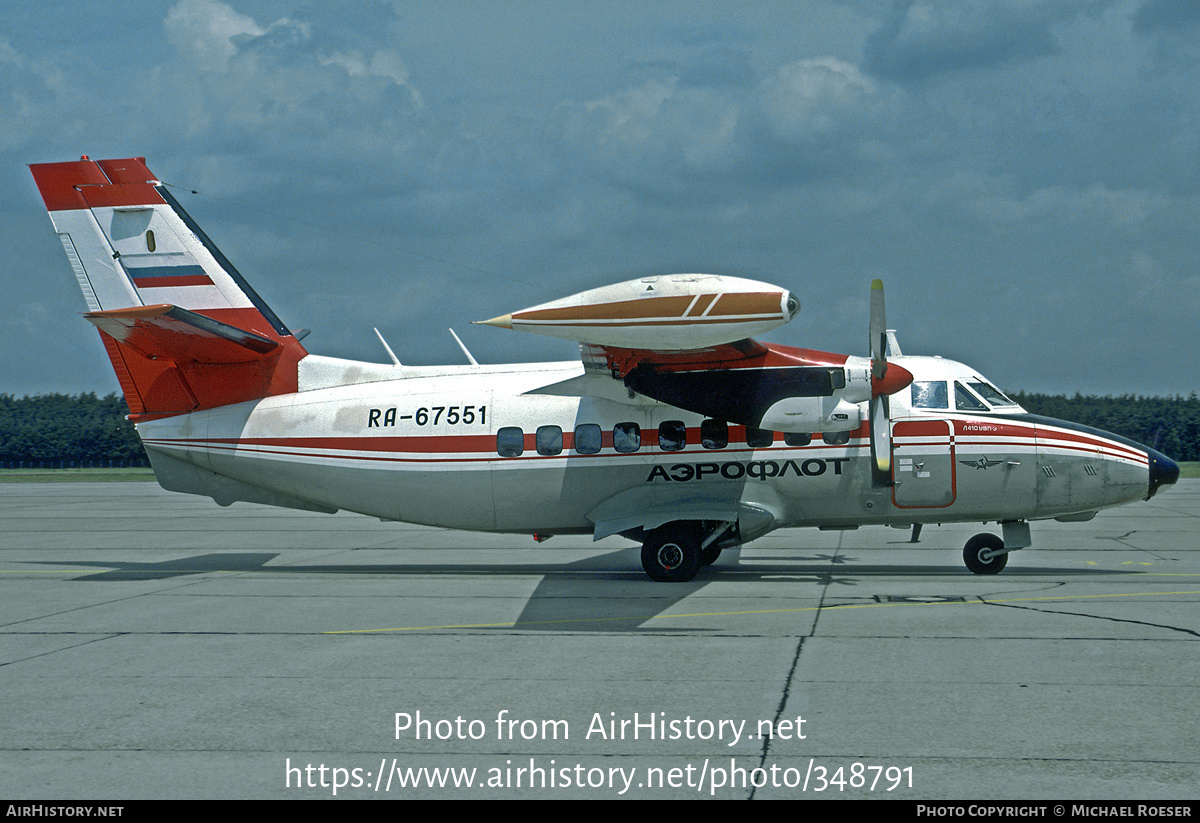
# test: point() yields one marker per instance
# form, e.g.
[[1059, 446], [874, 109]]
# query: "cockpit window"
[[965, 401], [990, 393], [930, 394]]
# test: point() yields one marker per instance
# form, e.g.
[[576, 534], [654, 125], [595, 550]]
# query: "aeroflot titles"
[[757, 469]]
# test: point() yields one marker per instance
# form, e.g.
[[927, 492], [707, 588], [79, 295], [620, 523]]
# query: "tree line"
[[1169, 424], [59, 430], [67, 430]]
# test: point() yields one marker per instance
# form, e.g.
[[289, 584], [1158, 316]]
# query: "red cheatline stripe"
[[460, 444], [167, 282]]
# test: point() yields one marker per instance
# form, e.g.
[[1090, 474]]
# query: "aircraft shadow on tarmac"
[[616, 597]]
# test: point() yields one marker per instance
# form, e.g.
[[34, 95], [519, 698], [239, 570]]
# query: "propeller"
[[885, 380]]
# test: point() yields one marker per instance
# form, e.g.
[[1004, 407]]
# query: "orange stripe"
[[747, 303], [654, 321], [702, 304], [621, 310]]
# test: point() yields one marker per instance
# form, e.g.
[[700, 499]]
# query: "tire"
[[709, 556], [980, 545], [671, 553]]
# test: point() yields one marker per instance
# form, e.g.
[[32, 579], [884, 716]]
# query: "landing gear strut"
[[984, 554]]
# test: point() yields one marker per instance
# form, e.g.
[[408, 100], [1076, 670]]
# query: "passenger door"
[[923, 464]]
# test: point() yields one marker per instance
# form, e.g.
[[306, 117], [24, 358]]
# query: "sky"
[[1022, 174]]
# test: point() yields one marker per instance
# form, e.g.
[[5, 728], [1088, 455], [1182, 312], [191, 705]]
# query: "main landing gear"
[[674, 552]]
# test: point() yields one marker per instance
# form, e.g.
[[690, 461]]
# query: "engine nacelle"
[[812, 414]]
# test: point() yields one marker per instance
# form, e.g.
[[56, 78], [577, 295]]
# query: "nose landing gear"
[[984, 554]]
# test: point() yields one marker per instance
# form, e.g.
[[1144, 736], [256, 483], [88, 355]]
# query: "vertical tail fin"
[[183, 328]]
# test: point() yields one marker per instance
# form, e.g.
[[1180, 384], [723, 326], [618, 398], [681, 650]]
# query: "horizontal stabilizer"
[[166, 331], [171, 361]]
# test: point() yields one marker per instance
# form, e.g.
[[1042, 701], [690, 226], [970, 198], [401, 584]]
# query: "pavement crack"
[[1098, 617], [791, 675]]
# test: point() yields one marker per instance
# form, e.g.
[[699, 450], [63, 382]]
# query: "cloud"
[[206, 32], [686, 125], [1095, 204], [30, 90], [257, 91], [921, 39], [1168, 15], [807, 99], [382, 63]]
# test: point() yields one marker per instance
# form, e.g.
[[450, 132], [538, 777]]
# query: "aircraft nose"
[[1163, 471]]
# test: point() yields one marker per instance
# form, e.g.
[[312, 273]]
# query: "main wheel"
[[671, 553], [709, 556], [979, 557]]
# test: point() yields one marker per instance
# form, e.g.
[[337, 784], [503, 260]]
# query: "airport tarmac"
[[155, 645]]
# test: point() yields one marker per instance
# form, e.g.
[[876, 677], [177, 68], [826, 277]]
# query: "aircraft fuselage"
[[472, 448]]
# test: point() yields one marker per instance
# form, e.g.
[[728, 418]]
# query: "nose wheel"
[[984, 554]]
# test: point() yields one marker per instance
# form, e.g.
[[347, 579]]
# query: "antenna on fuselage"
[[391, 354], [474, 362]]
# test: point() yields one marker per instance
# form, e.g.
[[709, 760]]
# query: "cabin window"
[[965, 401], [587, 439], [714, 434], [759, 438], [549, 440], [510, 441], [930, 394], [672, 435], [627, 437], [150, 244], [835, 438], [797, 438]]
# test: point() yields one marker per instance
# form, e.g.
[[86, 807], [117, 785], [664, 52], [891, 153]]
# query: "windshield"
[[990, 393]]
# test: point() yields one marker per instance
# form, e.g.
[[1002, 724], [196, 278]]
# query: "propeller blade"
[[881, 436], [878, 330], [885, 380]]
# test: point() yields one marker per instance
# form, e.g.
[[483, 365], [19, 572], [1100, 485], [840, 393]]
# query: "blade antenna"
[[391, 354], [474, 362]]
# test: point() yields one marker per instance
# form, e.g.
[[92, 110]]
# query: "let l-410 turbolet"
[[675, 429]]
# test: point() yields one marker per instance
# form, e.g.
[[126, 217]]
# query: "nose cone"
[[792, 303], [893, 380], [1163, 471]]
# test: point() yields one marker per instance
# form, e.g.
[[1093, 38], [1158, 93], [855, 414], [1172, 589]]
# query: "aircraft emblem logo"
[[981, 463]]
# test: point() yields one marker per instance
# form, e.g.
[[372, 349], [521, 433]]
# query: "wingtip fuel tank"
[[665, 313]]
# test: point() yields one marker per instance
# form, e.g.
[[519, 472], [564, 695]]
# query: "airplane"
[[675, 428]]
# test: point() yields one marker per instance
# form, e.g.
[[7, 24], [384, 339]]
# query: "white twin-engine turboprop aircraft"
[[676, 430]]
